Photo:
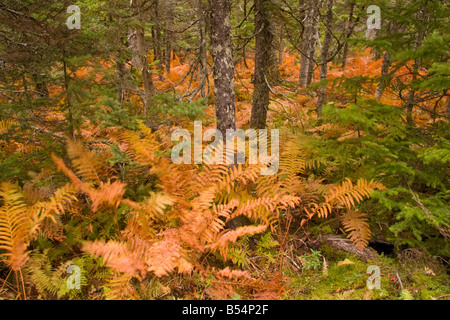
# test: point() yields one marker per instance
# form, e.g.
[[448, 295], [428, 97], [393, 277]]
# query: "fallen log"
[[346, 245]]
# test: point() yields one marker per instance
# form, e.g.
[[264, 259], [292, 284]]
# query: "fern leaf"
[[14, 226], [108, 193], [356, 225], [5, 125], [116, 255], [347, 195], [120, 287], [86, 162], [231, 236]]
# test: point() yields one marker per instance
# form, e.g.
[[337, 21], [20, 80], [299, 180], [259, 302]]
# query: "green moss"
[[426, 294], [332, 254]]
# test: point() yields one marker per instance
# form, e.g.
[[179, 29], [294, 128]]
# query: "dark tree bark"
[[223, 64], [168, 52], [324, 56], [411, 100], [157, 37], [264, 61], [384, 73], [203, 57], [348, 28], [40, 85], [139, 50]]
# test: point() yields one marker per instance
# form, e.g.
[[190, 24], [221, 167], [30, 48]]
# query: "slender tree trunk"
[[384, 73], [120, 76], [149, 87], [40, 85], [244, 48], [312, 54], [168, 38], [281, 48], [347, 30], [203, 58], [139, 50], [275, 29], [264, 61], [223, 64], [417, 64], [308, 44], [70, 120], [157, 39], [168, 53], [324, 57]]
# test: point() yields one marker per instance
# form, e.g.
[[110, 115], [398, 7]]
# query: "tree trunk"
[[264, 61], [281, 48], [384, 73], [308, 44], [139, 50], [223, 64], [324, 57], [203, 57], [168, 53], [70, 120], [40, 85], [348, 27], [157, 41], [421, 17]]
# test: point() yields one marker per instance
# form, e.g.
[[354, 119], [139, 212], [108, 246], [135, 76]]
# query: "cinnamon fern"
[[347, 195], [15, 226], [356, 224]]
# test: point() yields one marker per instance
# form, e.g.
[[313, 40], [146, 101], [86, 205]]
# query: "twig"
[[289, 99], [56, 135], [400, 281]]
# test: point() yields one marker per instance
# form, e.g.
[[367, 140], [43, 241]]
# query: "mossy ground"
[[421, 279]]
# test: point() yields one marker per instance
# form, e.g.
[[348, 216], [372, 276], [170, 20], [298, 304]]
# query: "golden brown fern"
[[224, 239], [356, 225], [107, 194], [88, 164], [287, 180], [118, 255], [347, 195], [201, 199], [5, 125], [120, 287], [14, 226], [225, 283], [56, 205]]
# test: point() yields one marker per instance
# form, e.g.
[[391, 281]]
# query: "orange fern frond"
[[348, 195], [356, 225], [117, 255], [120, 287], [231, 236], [87, 163], [266, 209], [14, 226], [167, 255], [110, 194]]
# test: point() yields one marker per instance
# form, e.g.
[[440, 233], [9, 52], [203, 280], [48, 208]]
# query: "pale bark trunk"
[[324, 57], [203, 65], [223, 64], [308, 44], [139, 50]]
